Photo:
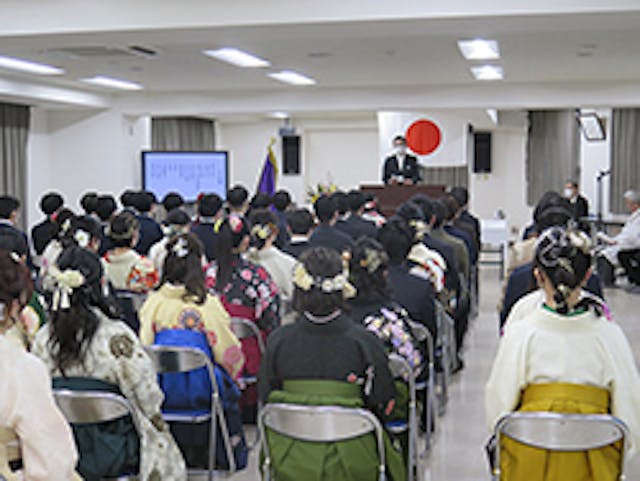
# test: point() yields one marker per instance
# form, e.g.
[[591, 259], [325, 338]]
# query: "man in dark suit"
[[9, 220], [209, 211], [326, 234], [401, 167], [42, 233], [150, 231], [300, 226], [465, 218], [355, 225], [579, 204]]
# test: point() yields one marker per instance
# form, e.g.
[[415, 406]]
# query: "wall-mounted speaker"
[[481, 152], [291, 154]]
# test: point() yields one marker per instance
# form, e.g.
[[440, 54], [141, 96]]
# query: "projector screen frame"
[[188, 201]]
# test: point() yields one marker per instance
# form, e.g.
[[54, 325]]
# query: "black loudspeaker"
[[291, 154], [481, 152]]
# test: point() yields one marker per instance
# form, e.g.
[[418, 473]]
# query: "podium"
[[390, 197]]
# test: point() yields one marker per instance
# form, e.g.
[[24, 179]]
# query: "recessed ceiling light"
[[292, 78], [479, 49], [113, 83], [278, 115], [28, 66], [488, 72], [237, 57]]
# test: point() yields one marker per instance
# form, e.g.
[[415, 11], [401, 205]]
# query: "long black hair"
[[183, 265], [231, 232]]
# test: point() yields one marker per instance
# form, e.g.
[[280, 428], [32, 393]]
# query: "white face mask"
[[401, 150], [568, 193]]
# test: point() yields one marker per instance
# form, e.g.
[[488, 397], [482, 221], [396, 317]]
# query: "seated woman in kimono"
[[566, 356], [28, 413], [326, 358], [83, 348]]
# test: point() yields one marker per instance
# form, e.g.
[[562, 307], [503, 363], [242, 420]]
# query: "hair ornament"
[[421, 228], [373, 260], [338, 283], [580, 241], [66, 225], [82, 237], [181, 248], [236, 223], [262, 232], [66, 282], [15, 257]]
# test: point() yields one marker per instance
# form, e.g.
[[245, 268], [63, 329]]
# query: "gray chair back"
[[91, 407], [245, 329]]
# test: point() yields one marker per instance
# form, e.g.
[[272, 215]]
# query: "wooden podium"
[[390, 197]]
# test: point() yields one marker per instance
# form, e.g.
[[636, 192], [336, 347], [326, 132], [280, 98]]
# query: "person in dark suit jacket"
[[354, 225], [401, 165], [465, 218], [9, 218], [150, 230], [300, 225], [326, 234], [281, 202], [105, 209], [579, 204], [42, 233], [209, 211]]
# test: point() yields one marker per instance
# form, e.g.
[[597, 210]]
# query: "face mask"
[[568, 193], [401, 150]]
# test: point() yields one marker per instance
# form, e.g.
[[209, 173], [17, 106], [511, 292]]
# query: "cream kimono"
[[116, 356]]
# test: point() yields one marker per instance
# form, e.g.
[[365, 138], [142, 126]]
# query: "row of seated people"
[[232, 278]]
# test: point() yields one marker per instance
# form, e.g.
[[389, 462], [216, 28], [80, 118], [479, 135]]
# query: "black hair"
[[89, 202], [209, 205], [84, 223], [143, 201], [183, 265], [50, 203], [261, 201], [399, 138], [323, 263], [552, 210], [106, 207], [461, 194], [563, 256], [572, 183], [231, 233], [127, 198], [440, 212], [397, 238], [177, 217], [12, 240], [122, 229], [411, 213], [356, 200], [426, 206], [451, 205], [263, 223], [171, 201], [237, 196], [63, 222], [342, 202], [8, 205], [367, 266], [281, 200], [300, 221], [325, 208], [15, 280]]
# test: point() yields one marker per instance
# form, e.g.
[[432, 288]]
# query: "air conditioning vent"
[[99, 52]]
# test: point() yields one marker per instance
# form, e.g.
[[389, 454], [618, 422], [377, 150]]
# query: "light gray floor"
[[458, 452]]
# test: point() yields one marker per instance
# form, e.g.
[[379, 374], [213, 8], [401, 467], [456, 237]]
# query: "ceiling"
[[382, 54]]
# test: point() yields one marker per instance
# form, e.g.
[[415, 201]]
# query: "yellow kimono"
[[166, 309]]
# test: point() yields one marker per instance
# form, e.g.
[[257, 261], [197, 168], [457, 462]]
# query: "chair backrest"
[[399, 367], [91, 407], [562, 432], [245, 329]]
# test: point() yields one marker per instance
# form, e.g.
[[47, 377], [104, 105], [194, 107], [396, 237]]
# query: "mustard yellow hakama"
[[519, 462]]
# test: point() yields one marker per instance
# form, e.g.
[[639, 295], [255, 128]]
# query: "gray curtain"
[[182, 133], [14, 132], [449, 176], [625, 153], [553, 152]]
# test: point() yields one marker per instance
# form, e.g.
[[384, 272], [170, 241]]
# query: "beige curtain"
[[553, 152], [625, 156], [182, 133], [14, 132], [449, 176]]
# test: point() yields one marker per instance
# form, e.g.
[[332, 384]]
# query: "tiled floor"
[[458, 452]]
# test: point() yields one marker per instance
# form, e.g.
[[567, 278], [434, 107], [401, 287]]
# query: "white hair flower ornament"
[[66, 282]]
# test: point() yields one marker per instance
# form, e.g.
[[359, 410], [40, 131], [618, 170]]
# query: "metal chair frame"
[[92, 407], [447, 343], [174, 359], [318, 424], [562, 433]]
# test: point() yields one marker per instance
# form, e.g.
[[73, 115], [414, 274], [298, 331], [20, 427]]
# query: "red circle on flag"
[[423, 137]]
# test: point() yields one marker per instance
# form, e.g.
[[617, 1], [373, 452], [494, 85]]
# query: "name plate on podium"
[[390, 197]]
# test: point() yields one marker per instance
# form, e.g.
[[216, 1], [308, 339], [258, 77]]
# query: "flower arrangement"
[[320, 190]]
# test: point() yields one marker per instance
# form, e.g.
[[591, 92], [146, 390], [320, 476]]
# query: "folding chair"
[[170, 359], [93, 407], [446, 344], [561, 432], [321, 424]]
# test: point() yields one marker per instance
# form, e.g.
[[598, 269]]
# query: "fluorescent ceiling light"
[[28, 66], [479, 49], [292, 78], [278, 115], [113, 83], [488, 72], [237, 57]]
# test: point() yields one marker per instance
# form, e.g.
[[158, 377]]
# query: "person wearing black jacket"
[[354, 225], [401, 167], [579, 204], [209, 211], [42, 233], [326, 234], [150, 230], [300, 225]]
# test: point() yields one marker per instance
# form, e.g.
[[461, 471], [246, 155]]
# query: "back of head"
[[232, 232], [413, 216], [461, 194], [89, 202], [325, 209], [300, 221], [63, 222], [367, 267], [12, 241], [177, 217], [127, 199], [15, 281], [356, 200], [451, 205], [440, 213], [564, 257], [8, 205], [50, 203], [342, 202], [312, 293], [105, 207], [281, 200], [552, 210], [143, 201], [183, 266], [122, 229], [261, 201], [263, 226], [426, 206], [82, 231], [396, 238], [632, 196], [171, 201], [237, 197], [209, 205]]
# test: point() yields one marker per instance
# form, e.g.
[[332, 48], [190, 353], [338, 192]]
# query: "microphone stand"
[[599, 189]]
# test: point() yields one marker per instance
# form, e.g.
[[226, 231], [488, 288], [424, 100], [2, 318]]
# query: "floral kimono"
[[130, 271]]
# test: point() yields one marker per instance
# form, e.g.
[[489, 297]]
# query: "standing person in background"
[[209, 213], [579, 204], [401, 167], [281, 203], [105, 210], [89, 203], [150, 231], [238, 200], [10, 220], [42, 233]]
